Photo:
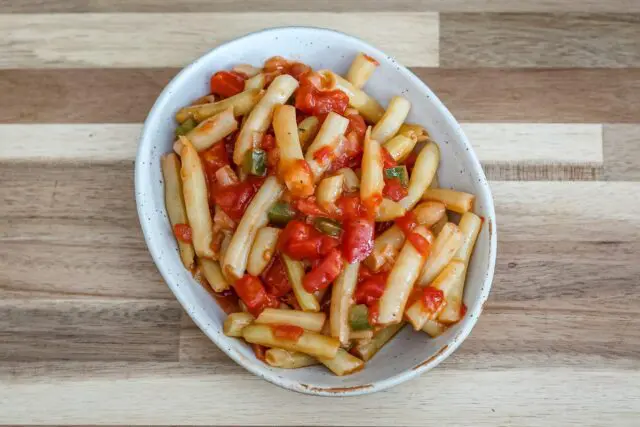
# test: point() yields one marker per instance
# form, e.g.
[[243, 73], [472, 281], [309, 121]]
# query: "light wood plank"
[[98, 330], [622, 152], [567, 211], [580, 397], [534, 142], [502, 171], [529, 96], [174, 39], [493, 142], [77, 6], [539, 40]]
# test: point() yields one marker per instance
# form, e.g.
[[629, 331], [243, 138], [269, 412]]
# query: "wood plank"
[[500, 171], [567, 211], [472, 95], [163, 39], [77, 6], [622, 152], [97, 330], [522, 398], [494, 142], [539, 40]]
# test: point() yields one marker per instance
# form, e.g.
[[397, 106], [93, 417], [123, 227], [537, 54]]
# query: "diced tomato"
[[325, 154], [268, 142], [227, 83], [421, 244], [351, 153], [313, 101], [326, 272], [290, 300], [431, 299], [309, 206], [364, 273], [358, 239], [357, 125], [228, 301], [407, 223], [350, 206], [260, 351], [410, 161], [234, 199], [287, 332], [251, 291], [370, 289], [182, 232], [302, 241], [276, 280], [214, 158], [298, 69], [388, 161], [276, 63], [463, 309], [394, 190]]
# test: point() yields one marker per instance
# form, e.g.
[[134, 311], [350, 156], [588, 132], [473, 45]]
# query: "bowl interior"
[[410, 352]]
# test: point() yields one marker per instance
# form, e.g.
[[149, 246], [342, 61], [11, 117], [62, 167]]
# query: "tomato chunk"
[[234, 199], [251, 291], [309, 206], [182, 232], [326, 272], [432, 299], [315, 102], [357, 125], [407, 223], [214, 158], [394, 190], [287, 332], [301, 241], [227, 83], [388, 161], [370, 289], [276, 280], [358, 239]]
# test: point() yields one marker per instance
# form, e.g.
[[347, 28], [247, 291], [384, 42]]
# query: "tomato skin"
[[297, 70], [227, 83], [357, 125], [431, 299], [287, 332], [251, 291], [276, 280], [316, 102], [214, 158], [302, 241], [183, 233], [370, 289], [234, 199], [351, 155], [326, 272], [394, 190], [358, 239]]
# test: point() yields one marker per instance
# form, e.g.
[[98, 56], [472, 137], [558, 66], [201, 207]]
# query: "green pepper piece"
[[255, 162], [281, 213], [327, 226], [359, 318], [186, 127], [398, 172]]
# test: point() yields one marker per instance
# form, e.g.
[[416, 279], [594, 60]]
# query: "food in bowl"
[[314, 214]]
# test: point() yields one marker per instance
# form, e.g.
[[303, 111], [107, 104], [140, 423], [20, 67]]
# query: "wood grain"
[[493, 142], [77, 6], [81, 330], [174, 40], [622, 152], [482, 95], [539, 40]]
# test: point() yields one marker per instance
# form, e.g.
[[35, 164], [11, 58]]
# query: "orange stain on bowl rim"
[[426, 362]]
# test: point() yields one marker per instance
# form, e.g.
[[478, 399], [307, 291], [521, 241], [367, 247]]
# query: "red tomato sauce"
[[276, 280], [287, 332], [183, 233], [431, 299], [234, 199], [228, 301], [313, 101], [321, 276], [394, 190], [227, 83], [301, 241], [251, 291]]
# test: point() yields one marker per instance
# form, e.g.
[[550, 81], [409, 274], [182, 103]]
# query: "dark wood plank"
[[539, 40], [622, 152], [76, 6], [480, 95], [89, 330]]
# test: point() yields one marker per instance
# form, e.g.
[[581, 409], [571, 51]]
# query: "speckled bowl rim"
[[198, 316]]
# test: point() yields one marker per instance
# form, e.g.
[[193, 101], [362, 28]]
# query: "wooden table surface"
[[549, 93]]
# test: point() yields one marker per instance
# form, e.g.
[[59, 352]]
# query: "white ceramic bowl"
[[409, 353]]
